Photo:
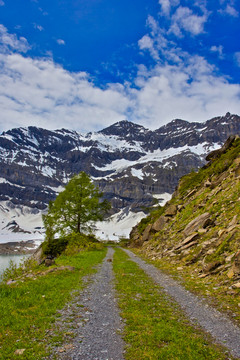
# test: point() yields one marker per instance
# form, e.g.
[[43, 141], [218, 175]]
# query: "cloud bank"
[[40, 92]]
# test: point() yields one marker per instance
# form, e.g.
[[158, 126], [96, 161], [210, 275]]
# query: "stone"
[[201, 221], [49, 262], [10, 282], [212, 266], [237, 172], [234, 221], [207, 183], [38, 256], [19, 351], [159, 224], [236, 264], [171, 210], [221, 232], [202, 231], [187, 246], [187, 241], [146, 232], [236, 285]]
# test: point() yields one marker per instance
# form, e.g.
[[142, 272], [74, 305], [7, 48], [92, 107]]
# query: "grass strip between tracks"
[[155, 328]]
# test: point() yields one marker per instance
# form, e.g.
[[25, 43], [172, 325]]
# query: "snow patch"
[[118, 226], [137, 173]]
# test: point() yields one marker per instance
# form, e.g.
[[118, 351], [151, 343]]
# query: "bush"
[[54, 247]]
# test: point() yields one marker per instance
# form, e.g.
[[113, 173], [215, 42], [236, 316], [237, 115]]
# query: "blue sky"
[[84, 65]]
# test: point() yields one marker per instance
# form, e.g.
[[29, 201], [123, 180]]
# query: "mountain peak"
[[125, 128]]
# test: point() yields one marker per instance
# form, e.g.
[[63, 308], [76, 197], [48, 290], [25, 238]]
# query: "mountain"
[[134, 167], [195, 236]]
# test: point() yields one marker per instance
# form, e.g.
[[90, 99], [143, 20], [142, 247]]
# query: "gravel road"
[[210, 320], [95, 321]]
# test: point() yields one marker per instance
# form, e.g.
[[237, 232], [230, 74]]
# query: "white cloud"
[[185, 19], [60, 42], [237, 57], [229, 8], [42, 93], [166, 5], [218, 50], [11, 41], [189, 92], [147, 43], [38, 27]]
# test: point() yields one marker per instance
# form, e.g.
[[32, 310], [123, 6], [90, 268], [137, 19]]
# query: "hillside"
[[196, 235], [135, 167]]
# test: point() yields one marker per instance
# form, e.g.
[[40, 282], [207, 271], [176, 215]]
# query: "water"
[[5, 261]]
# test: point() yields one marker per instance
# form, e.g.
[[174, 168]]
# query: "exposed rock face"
[[129, 163]]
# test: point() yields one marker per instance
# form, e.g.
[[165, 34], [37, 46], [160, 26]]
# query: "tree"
[[75, 209]]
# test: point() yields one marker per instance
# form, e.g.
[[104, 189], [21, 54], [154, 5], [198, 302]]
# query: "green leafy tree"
[[75, 209]]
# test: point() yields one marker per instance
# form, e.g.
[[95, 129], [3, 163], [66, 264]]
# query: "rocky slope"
[[197, 233], [133, 166]]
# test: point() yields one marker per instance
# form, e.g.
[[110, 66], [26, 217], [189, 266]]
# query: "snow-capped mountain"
[[133, 166]]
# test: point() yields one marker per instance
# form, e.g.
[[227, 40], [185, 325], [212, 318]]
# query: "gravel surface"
[[216, 324], [93, 320]]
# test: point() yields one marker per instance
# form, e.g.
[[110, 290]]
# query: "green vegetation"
[[72, 214], [195, 179], [155, 328], [29, 306]]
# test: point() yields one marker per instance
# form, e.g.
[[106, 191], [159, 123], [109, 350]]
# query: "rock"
[[38, 256], [202, 231], [19, 351], [236, 285], [211, 267], [49, 262], [159, 224], [187, 241], [216, 153], [234, 221], [207, 183], [221, 232], [237, 172], [171, 210], [146, 232], [202, 221], [236, 264], [187, 246], [10, 282]]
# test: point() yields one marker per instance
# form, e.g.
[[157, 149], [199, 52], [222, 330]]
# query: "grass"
[[29, 307], [155, 328]]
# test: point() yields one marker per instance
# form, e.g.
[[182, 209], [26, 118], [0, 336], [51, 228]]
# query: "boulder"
[[159, 224], [146, 232], [171, 210], [202, 221]]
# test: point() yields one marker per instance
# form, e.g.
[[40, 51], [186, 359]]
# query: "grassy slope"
[[215, 189], [28, 308]]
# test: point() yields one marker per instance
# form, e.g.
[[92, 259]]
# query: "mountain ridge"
[[132, 165]]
